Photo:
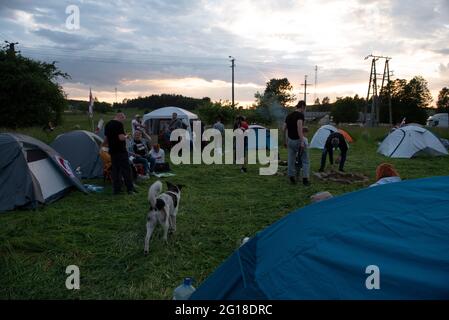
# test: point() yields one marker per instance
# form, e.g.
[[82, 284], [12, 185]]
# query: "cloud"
[[162, 42]]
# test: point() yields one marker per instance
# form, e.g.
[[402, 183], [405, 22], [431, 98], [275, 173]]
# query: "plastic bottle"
[[184, 291]]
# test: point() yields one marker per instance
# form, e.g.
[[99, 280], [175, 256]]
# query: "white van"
[[440, 120]]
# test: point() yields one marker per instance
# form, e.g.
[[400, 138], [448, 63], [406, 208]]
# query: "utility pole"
[[373, 91], [386, 78], [305, 85], [232, 66], [116, 95]]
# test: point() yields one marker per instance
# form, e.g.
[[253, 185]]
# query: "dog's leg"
[[166, 224], [151, 224], [174, 222]]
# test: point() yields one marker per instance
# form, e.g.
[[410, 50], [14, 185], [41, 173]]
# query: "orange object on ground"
[[386, 170], [348, 138]]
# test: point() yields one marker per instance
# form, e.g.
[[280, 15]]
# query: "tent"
[[345, 134], [32, 173], [82, 149], [320, 137], [260, 144], [410, 141], [330, 249], [157, 119]]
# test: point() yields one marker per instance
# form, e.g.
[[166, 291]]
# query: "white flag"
[[91, 104]]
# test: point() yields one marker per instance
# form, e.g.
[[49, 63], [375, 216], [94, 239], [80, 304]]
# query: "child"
[[303, 160]]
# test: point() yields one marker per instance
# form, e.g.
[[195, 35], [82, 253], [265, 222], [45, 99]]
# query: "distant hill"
[[164, 100]]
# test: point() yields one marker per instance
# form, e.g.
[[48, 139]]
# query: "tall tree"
[[29, 92], [346, 109], [443, 100], [281, 90], [409, 100], [325, 101], [270, 107]]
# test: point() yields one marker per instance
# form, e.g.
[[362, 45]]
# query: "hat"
[[138, 116]]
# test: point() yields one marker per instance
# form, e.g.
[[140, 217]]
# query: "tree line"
[[30, 95]]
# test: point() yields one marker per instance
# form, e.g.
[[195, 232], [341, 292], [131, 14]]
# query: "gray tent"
[[32, 173], [82, 149]]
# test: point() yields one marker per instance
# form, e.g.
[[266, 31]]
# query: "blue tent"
[[322, 251]]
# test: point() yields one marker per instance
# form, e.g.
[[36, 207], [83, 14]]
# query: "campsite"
[[104, 235], [217, 150]]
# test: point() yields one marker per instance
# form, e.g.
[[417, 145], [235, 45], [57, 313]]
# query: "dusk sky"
[[182, 46]]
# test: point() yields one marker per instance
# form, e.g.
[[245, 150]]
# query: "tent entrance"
[[50, 179]]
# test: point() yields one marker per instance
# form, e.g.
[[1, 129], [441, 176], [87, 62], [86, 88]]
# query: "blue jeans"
[[298, 158], [331, 158], [147, 162]]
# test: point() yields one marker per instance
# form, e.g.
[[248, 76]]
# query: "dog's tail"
[[153, 192]]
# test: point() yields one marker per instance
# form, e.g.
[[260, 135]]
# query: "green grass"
[[103, 235]]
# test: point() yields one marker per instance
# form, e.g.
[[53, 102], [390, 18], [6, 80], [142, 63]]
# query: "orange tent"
[[348, 138]]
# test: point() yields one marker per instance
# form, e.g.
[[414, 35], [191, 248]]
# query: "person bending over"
[[335, 141]]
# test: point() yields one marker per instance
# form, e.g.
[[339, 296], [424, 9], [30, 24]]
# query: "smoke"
[[270, 110]]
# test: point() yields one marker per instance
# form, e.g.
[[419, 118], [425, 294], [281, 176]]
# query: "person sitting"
[[158, 155], [386, 173], [334, 141], [139, 151]]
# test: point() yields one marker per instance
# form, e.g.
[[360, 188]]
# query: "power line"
[[68, 52]]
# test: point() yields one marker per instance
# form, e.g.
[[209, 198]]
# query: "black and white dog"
[[163, 209]]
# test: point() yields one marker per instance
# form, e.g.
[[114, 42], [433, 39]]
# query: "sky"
[[149, 47]]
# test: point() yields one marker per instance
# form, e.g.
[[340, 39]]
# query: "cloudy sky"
[[182, 46]]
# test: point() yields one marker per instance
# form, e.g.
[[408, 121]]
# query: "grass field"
[[103, 234]]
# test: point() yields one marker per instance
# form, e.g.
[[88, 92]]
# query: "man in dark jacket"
[[334, 141], [116, 139]]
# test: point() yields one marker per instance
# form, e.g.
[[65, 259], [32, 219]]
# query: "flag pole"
[[91, 109]]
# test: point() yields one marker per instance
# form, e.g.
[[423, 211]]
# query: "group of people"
[[125, 150], [297, 143]]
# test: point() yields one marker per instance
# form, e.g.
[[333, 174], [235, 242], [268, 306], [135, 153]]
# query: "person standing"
[[294, 137], [243, 125], [136, 124], [334, 141], [221, 128], [175, 123], [116, 139]]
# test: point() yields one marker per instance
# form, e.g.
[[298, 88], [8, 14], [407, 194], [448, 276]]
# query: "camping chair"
[[107, 165]]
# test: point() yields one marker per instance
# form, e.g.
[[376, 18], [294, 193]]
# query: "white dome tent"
[[157, 119], [320, 137], [410, 141]]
